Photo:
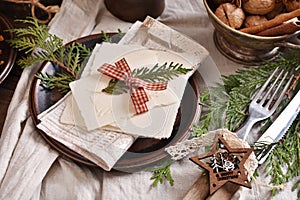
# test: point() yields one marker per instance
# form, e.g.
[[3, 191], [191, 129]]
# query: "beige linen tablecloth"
[[31, 169]]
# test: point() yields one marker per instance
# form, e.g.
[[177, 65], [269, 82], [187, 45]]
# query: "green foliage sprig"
[[40, 46], [283, 163], [107, 38], [226, 105], [161, 173], [60, 81], [158, 73]]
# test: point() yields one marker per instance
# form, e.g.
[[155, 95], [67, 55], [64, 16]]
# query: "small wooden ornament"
[[224, 164]]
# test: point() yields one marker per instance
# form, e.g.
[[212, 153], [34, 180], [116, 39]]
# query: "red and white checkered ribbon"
[[121, 71]]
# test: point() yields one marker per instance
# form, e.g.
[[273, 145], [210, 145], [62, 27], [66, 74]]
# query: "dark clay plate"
[[145, 152], [8, 54]]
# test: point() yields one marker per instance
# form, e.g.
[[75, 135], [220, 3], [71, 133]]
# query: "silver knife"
[[280, 126]]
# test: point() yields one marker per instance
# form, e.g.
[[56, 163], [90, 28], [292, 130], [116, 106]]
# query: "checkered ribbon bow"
[[121, 71]]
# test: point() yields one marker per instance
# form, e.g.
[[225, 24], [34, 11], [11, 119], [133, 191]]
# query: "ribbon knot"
[[128, 79], [121, 71]]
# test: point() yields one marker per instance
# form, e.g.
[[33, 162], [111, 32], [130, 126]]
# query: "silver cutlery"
[[260, 108], [265, 102], [279, 127]]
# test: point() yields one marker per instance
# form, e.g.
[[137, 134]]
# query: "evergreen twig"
[[60, 81], [41, 46], [161, 173], [284, 161]]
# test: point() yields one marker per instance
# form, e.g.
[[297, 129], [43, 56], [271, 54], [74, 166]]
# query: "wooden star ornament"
[[224, 164]]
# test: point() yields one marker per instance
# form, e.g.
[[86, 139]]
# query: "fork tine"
[[271, 88], [258, 94], [277, 89], [261, 110], [278, 101]]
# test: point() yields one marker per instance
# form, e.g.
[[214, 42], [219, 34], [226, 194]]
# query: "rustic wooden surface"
[[200, 190]]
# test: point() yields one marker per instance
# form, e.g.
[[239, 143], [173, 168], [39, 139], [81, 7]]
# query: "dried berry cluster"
[[248, 13]]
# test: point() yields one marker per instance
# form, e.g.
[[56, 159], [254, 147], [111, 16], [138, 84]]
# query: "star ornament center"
[[224, 164]]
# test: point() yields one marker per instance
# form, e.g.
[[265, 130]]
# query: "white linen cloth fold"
[[46, 175]]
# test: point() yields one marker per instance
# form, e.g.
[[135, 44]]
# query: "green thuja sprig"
[[60, 81], [161, 173], [40, 46], [158, 73], [284, 161], [213, 102], [35, 35], [107, 38], [297, 185]]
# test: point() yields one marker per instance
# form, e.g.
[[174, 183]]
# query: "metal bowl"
[[245, 48]]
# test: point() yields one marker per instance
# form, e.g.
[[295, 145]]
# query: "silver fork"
[[260, 107]]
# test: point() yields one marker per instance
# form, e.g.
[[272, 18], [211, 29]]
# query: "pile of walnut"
[[249, 13]]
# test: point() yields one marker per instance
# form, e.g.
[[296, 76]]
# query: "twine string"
[[37, 4]]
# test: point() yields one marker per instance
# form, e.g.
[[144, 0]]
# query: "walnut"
[[279, 8], [291, 5], [254, 20], [230, 15], [258, 7]]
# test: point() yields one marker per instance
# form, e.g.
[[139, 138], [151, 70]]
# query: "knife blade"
[[280, 126]]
